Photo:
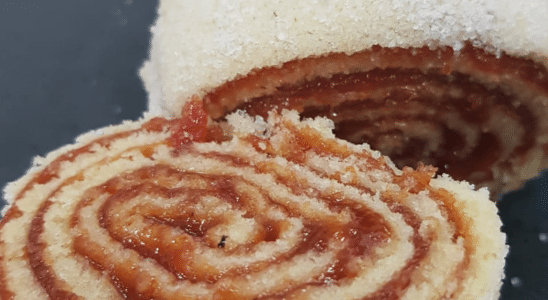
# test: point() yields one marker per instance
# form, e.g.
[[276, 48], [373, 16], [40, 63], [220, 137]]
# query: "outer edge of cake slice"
[[488, 258], [38, 162]]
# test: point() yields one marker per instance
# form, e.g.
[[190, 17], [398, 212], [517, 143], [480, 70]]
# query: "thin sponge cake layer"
[[198, 45]]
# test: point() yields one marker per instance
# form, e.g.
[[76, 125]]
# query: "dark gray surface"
[[70, 66], [67, 67]]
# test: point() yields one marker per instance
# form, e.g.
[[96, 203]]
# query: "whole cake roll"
[[254, 208], [461, 85]]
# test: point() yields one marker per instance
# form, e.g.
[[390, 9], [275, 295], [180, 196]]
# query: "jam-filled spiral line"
[[281, 210]]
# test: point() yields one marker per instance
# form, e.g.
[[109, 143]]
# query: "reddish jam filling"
[[192, 126]]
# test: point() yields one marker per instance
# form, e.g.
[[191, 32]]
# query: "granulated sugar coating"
[[199, 45]]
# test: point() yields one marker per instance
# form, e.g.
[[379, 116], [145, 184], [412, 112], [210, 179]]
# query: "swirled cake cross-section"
[[274, 208]]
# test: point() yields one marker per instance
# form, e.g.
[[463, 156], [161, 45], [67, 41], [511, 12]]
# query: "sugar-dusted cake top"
[[197, 46]]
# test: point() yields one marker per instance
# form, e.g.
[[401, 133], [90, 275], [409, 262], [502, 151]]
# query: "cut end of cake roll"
[[274, 208], [460, 85]]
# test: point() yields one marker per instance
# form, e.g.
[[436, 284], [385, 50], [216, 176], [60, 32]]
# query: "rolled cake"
[[274, 208], [461, 85]]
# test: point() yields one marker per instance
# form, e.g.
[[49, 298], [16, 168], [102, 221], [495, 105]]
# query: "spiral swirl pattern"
[[281, 211], [477, 116]]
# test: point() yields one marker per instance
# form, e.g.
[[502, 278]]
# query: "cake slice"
[[254, 208]]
